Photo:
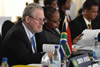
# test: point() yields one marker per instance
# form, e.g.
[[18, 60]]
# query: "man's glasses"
[[38, 19]]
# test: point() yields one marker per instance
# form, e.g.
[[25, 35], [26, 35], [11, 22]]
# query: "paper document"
[[88, 37], [49, 47]]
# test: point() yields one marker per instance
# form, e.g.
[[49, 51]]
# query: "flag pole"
[[64, 41]]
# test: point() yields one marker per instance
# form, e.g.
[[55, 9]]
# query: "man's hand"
[[77, 39], [50, 54], [74, 49]]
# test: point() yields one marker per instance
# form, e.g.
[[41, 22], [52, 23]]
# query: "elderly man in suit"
[[19, 45]]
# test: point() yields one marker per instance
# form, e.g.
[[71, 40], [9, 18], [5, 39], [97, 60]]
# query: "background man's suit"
[[17, 47], [48, 36], [78, 25]]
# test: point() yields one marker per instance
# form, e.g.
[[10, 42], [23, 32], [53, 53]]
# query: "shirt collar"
[[86, 21], [28, 32]]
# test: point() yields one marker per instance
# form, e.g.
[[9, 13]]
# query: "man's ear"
[[86, 11], [27, 19]]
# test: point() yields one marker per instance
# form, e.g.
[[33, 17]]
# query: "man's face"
[[54, 21], [36, 22], [67, 4], [54, 4], [92, 13]]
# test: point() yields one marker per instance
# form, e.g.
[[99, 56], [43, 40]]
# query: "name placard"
[[81, 61]]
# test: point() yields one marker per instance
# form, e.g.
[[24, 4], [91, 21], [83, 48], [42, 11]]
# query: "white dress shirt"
[[87, 22], [57, 30], [45, 58], [29, 34]]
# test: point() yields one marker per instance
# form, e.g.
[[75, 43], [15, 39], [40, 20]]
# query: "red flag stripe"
[[69, 38]]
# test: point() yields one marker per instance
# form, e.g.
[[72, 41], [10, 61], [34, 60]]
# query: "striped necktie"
[[89, 26], [34, 44]]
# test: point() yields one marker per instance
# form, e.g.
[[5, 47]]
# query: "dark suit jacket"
[[78, 25], [17, 48], [48, 36], [0, 48], [62, 16]]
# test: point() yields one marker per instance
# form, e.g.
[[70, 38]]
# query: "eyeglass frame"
[[39, 20]]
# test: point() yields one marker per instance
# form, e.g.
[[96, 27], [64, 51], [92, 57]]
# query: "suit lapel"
[[84, 23], [24, 36]]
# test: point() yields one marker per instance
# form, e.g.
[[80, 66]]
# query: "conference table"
[[97, 64], [91, 48], [40, 65]]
